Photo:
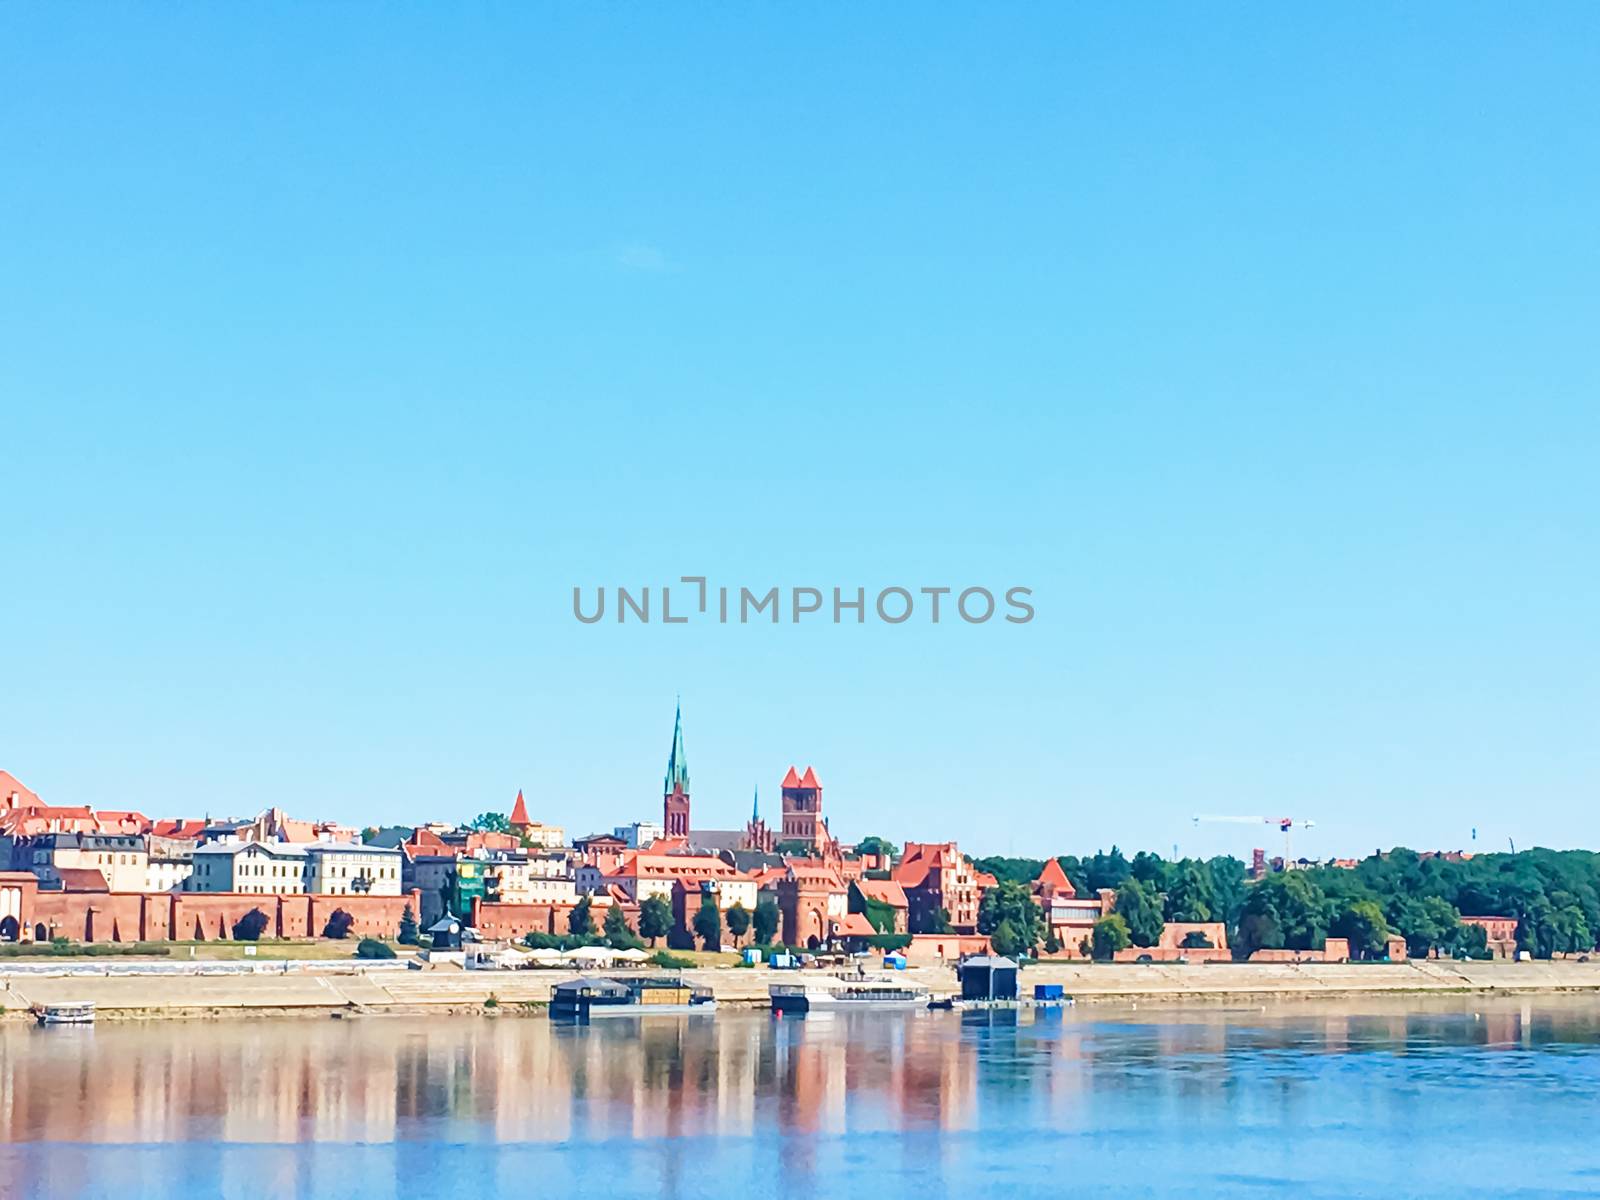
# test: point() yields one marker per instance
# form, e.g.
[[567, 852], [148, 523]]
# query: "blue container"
[[895, 962], [1049, 991]]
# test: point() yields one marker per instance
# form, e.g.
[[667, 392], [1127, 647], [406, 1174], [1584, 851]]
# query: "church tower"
[[802, 809], [756, 834], [675, 793]]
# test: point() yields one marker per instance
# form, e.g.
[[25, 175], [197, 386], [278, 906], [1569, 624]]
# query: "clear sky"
[[338, 343]]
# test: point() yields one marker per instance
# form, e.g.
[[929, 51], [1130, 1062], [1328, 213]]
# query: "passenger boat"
[[584, 999], [833, 994], [75, 1013]]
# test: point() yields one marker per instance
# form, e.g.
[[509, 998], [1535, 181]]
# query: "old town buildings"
[[118, 875]]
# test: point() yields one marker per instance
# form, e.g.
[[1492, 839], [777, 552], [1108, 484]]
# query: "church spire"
[[678, 763], [755, 805]]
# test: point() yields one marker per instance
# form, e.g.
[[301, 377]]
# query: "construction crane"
[[1284, 824]]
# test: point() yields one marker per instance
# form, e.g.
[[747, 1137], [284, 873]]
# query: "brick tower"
[[802, 809]]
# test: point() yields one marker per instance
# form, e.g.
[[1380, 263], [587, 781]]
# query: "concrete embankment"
[[319, 988]]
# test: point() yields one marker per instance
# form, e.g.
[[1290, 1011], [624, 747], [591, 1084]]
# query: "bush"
[[339, 923], [1196, 939], [662, 958], [889, 942], [250, 927], [373, 948], [65, 949]]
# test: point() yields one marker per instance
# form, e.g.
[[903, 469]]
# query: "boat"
[[73, 1013], [835, 994], [583, 999]]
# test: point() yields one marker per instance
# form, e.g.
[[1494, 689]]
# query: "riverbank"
[[152, 991]]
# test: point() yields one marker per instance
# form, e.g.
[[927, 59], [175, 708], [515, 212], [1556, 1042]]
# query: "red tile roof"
[[1054, 880], [854, 925], [82, 879], [886, 891]]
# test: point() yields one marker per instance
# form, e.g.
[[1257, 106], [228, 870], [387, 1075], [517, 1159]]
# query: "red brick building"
[[937, 876]]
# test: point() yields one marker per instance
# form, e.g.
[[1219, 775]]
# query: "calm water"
[[1414, 1099]]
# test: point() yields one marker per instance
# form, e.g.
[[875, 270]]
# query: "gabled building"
[[534, 833], [1071, 917], [937, 878]]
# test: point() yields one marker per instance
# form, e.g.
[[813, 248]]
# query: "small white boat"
[[832, 994], [75, 1013]]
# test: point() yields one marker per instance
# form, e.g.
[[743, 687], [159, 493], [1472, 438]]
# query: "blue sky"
[[337, 344]]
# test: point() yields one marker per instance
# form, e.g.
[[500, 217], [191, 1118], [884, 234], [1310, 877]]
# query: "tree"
[[766, 921], [339, 923], [1286, 910], [876, 845], [1571, 933], [1016, 870], [1006, 940], [250, 927], [1196, 939], [1191, 899], [708, 923], [618, 935], [1013, 904], [1052, 944], [1141, 910], [580, 921], [408, 927], [1427, 924], [1361, 922], [1110, 934], [655, 918], [738, 921], [373, 948], [1104, 870], [490, 822], [1470, 941]]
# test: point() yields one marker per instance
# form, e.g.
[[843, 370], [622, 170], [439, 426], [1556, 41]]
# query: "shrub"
[[662, 958], [338, 925], [889, 942], [373, 948], [250, 927]]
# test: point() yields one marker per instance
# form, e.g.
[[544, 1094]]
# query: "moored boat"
[[832, 994], [73, 1013], [645, 996]]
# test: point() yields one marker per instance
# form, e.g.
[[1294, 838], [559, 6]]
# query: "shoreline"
[[321, 989]]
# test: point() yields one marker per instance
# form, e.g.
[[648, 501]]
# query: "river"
[[1416, 1097]]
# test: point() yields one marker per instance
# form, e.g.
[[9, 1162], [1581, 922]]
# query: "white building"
[[640, 834], [253, 868], [170, 864], [351, 868], [292, 869]]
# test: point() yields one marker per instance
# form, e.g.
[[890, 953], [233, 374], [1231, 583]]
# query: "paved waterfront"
[[1444, 1096], [124, 988]]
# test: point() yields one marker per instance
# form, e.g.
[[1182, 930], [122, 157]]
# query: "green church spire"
[[755, 805], [678, 763]]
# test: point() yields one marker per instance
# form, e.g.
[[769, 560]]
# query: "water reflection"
[[1299, 1095]]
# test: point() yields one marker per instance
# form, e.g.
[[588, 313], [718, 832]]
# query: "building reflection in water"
[[790, 1088]]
